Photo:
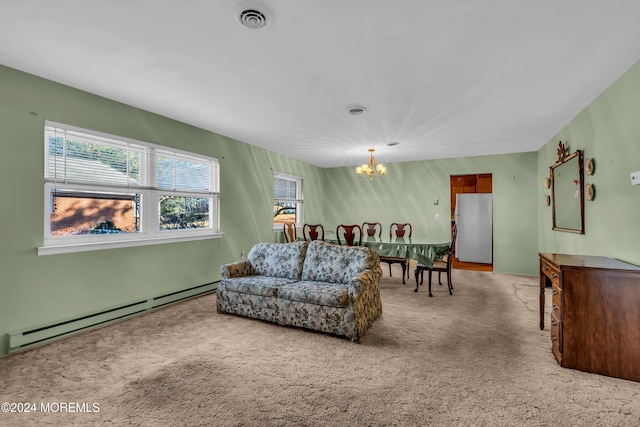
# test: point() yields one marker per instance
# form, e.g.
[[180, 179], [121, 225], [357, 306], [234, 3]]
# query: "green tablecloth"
[[421, 250]]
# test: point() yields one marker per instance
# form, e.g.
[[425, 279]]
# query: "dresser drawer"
[[556, 331], [556, 300], [550, 271]]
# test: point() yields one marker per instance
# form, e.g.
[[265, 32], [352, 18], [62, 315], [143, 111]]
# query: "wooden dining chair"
[[290, 233], [312, 232], [372, 228], [352, 234], [441, 265], [400, 231]]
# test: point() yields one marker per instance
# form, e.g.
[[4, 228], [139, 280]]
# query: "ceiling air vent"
[[356, 109], [253, 19]]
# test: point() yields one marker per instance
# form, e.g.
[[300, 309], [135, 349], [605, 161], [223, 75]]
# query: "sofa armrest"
[[368, 278], [237, 269]]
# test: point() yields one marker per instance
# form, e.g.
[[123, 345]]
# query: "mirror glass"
[[567, 193]]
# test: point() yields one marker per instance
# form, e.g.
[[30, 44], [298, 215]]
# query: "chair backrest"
[[372, 228], [454, 234], [452, 247], [290, 233], [312, 232], [400, 229], [352, 234]]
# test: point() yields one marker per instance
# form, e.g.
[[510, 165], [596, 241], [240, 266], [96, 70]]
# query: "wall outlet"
[[635, 178], [437, 216]]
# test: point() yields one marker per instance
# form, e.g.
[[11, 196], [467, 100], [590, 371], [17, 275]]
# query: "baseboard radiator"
[[43, 334]]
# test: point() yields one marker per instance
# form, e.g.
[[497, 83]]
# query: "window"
[[287, 199], [107, 191]]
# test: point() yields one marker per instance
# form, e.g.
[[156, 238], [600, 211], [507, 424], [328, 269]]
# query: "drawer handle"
[[555, 307], [554, 276], [545, 267], [553, 323], [554, 338], [554, 292]]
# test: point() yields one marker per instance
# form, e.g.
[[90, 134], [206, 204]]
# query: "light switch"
[[437, 216]]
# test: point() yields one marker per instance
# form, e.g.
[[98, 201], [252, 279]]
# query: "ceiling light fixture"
[[368, 170], [356, 109]]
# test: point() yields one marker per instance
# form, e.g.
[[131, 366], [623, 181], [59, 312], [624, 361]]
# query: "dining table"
[[422, 250]]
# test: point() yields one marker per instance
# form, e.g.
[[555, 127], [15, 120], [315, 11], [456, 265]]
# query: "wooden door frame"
[[467, 182]]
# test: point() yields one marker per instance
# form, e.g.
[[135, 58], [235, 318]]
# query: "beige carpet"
[[475, 358]]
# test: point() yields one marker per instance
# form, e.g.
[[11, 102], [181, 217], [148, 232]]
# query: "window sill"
[[95, 246]]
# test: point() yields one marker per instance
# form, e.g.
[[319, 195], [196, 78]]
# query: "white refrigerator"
[[474, 220]]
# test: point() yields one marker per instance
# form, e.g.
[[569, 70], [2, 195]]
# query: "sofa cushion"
[[255, 285], [278, 259], [321, 293], [327, 262]]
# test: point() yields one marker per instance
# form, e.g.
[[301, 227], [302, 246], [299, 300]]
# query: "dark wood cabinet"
[[595, 313]]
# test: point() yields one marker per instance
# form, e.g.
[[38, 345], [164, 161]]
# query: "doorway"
[[476, 183]]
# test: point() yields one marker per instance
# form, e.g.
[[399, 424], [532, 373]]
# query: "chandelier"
[[368, 170]]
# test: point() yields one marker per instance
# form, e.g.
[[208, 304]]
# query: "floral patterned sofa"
[[317, 285]]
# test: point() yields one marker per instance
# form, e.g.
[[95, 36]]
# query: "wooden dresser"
[[595, 314]]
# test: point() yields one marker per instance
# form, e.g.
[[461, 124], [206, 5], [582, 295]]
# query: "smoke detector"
[[253, 15]]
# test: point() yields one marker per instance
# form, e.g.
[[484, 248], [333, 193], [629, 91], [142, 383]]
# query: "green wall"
[[407, 193], [608, 131], [38, 290]]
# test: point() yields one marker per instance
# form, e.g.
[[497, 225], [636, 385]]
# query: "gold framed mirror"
[[567, 191]]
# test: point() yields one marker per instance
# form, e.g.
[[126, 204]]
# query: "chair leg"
[[416, 273], [439, 278], [390, 270], [404, 270], [430, 283], [449, 284]]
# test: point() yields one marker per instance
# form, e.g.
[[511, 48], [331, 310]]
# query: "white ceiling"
[[446, 78]]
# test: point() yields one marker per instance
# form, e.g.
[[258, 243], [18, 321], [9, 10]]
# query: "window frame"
[[149, 190], [298, 200]]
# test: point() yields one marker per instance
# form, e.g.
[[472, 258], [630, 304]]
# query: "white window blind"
[[286, 188], [80, 158], [178, 172]]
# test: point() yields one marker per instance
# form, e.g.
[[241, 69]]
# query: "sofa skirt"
[[332, 320]]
